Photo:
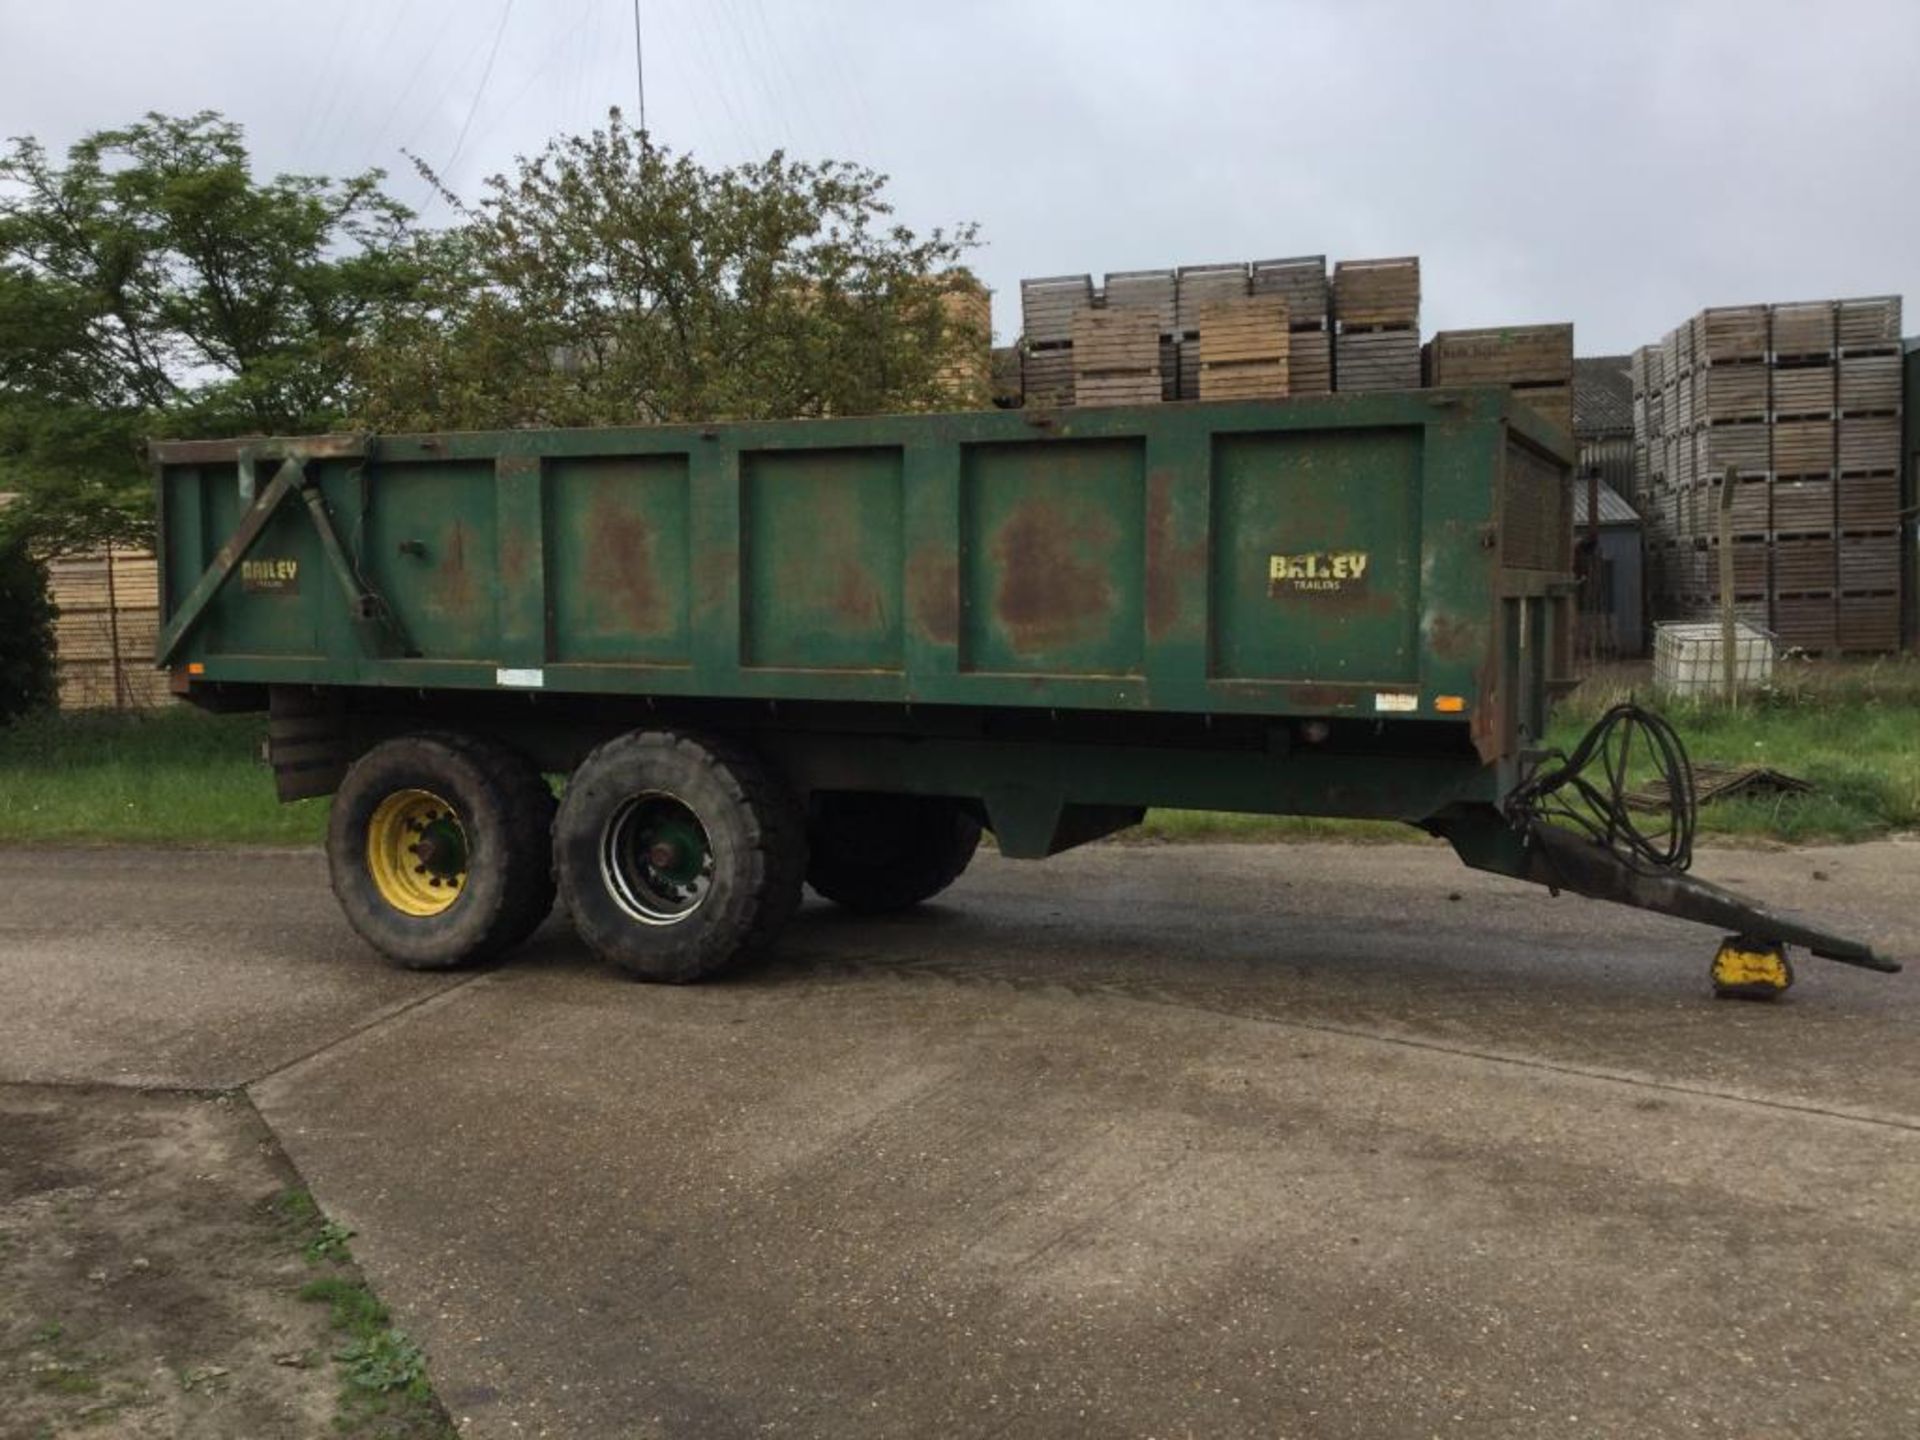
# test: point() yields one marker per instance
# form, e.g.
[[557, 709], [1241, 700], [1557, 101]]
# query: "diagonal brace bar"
[[378, 628], [193, 609]]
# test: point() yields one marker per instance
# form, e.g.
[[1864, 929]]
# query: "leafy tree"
[[28, 680], [152, 284], [610, 281]]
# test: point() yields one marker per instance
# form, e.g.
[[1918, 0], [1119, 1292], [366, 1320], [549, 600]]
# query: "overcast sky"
[[1616, 164]]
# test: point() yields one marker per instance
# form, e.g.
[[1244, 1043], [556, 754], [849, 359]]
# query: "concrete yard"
[[1305, 1141]]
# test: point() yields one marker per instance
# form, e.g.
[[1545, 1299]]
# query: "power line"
[[473, 109], [639, 68]]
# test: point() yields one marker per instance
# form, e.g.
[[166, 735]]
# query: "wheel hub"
[[656, 859], [417, 852]]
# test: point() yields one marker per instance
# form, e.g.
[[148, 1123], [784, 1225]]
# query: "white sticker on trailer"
[[1391, 700], [521, 679]]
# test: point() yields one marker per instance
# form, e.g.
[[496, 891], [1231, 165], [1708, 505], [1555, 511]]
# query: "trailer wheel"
[[439, 851], [677, 856], [877, 853]]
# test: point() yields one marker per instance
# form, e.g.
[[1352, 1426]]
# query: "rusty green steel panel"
[[1297, 595], [431, 553], [1117, 559], [617, 539], [1053, 557], [823, 576]]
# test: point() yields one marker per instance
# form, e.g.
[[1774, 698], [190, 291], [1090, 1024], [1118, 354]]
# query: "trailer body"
[[1396, 565], [1353, 605]]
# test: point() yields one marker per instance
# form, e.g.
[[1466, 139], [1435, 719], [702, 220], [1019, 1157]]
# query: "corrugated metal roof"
[[1614, 510], [1602, 394]]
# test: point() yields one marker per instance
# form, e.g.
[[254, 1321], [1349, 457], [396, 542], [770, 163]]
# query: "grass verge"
[[166, 777], [384, 1390], [183, 778]]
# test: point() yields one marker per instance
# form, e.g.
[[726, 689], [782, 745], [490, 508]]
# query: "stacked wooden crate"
[[1047, 310], [109, 603], [1153, 291], [1376, 313], [1116, 357], [966, 380], [1302, 283], [1803, 401], [1536, 361], [1201, 286], [1244, 349]]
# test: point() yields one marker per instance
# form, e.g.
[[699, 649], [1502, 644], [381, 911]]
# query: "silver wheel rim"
[[656, 859]]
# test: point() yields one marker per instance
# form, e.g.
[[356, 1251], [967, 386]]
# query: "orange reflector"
[[196, 668], [1449, 704]]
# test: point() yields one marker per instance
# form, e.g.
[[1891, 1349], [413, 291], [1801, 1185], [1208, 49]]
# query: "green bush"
[[27, 678]]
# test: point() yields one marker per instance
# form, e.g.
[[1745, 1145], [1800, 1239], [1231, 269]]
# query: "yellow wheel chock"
[[1748, 969]]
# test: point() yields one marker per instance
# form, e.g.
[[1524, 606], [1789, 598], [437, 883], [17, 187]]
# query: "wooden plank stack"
[[1047, 309], [1302, 283], [1376, 312], [1244, 349], [966, 380], [1804, 399], [1116, 357], [1536, 361], [1201, 286], [1155, 291], [109, 604]]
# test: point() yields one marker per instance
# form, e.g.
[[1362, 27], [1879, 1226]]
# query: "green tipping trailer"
[[832, 651]]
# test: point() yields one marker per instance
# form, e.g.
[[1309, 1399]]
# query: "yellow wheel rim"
[[417, 852]]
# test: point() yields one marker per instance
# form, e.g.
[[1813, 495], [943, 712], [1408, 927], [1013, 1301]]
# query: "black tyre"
[[531, 797], [876, 853], [677, 856], [439, 849]]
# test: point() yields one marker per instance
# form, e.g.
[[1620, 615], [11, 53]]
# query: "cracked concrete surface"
[[1206, 1141]]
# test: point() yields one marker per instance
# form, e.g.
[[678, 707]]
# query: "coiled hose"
[[1587, 790]]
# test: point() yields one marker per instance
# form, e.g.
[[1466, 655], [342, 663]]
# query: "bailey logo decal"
[[270, 577], [1317, 572]]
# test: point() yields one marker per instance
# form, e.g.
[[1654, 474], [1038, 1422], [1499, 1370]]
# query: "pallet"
[[1244, 345], [1806, 622], [1802, 506], [1048, 305], [1202, 285], [1124, 339], [1377, 292], [1803, 327], [1309, 362], [1503, 355], [1250, 329], [1153, 290], [1868, 324], [1803, 447], [1868, 502], [1800, 391], [1869, 443], [1244, 380], [1869, 384], [1804, 564], [1746, 445], [1047, 377], [1868, 623], [1730, 332], [1752, 506], [1116, 388], [1730, 392], [1751, 554], [1869, 562], [1301, 282], [1377, 360]]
